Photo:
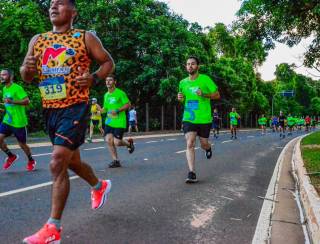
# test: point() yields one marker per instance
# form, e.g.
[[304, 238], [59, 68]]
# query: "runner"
[[291, 124], [300, 123], [115, 104], [262, 121], [96, 119], [282, 122], [307, 122], [313, 123], [196, 93], [61, 59], [216, 123], [15, 119], [133, 119], [274, 124], [234, 119]]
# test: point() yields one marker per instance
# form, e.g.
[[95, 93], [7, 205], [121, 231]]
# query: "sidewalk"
[[285, 221]]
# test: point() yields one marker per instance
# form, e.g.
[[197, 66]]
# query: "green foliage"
[[285, 21]]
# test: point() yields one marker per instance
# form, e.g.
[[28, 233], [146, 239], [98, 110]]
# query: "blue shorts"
[[132, 123], [19, 133], [67, 126]]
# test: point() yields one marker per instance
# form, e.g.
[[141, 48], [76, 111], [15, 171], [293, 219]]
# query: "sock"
[[30, 157], [56, 222], [97, 186], [9, 153]]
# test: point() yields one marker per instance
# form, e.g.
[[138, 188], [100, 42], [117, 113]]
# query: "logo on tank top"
[[54, 59]]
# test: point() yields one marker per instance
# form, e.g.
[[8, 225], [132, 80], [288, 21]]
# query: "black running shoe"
[[115, 164], [209, 153], [131, 146], [231, 138], [192, 178]]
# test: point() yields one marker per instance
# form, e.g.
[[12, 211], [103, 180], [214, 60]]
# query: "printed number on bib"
[[191, 106], [53, 88]]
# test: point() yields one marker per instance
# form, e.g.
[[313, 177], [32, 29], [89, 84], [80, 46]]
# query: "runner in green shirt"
[[15, 119], [115, 105], [262, 121], [195, 93], [234, 118], [291, 123]]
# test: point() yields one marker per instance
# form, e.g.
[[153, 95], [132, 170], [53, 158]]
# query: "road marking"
[[171, 139], [227, 141], [228, 198], [94, 148], [250, 136], [183, 151], [8, 193], [145, 159], [151, 142], [43, 154]]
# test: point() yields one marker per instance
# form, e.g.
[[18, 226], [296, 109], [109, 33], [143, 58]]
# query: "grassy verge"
[[38, 134], [311, 157]]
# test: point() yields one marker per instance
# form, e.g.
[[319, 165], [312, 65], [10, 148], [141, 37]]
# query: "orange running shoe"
[[48, 234], [31, 165], [99, 197], [9, 161]]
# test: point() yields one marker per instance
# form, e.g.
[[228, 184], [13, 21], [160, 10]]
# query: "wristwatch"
[[95, 79]]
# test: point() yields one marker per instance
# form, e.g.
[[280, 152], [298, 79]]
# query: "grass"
[[311, 158], [38, 134], [313, 139]]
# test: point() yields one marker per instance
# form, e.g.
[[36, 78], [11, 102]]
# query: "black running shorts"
[[67, 126], [203, 130]]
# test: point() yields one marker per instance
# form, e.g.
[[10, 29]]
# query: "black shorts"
[[19, 133], [203, 130], [281, 124], [116, 132], [67, 126]]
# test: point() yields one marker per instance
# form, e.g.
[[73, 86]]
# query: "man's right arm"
[[28, 70]]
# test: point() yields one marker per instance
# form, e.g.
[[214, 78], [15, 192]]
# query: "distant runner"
[[234, 119]]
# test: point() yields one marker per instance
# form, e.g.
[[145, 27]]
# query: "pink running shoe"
[[31, 165], [99, 197], [9, 161], [48, 234]]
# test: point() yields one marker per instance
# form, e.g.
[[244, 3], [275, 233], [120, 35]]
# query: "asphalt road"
[[150, 202]]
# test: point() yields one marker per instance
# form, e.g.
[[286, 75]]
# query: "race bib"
[[111, 116], [192, 104], [53, 88]]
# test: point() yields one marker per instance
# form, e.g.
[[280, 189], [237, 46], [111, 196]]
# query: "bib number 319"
[[53, 88]]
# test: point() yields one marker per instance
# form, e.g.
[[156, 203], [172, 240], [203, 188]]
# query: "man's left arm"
[[101, 56]]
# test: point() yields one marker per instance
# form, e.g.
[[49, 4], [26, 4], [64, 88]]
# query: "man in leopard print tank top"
[[60, 59]]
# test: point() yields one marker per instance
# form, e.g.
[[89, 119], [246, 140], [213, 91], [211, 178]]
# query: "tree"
[[285, 21]]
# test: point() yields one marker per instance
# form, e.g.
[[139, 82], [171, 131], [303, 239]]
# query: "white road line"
[[151, 142], [183, 151], [171, 139], [8, 193], [43, 154], [227, 141], [250, 136], [95, 148]]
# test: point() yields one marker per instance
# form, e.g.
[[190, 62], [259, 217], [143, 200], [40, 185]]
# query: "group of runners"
[[61, 60]]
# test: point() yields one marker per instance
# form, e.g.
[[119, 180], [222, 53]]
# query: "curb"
[[309, 197], [263, 229]]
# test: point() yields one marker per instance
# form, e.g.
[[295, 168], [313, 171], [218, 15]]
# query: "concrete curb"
[[308, 195], [263, 229]]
